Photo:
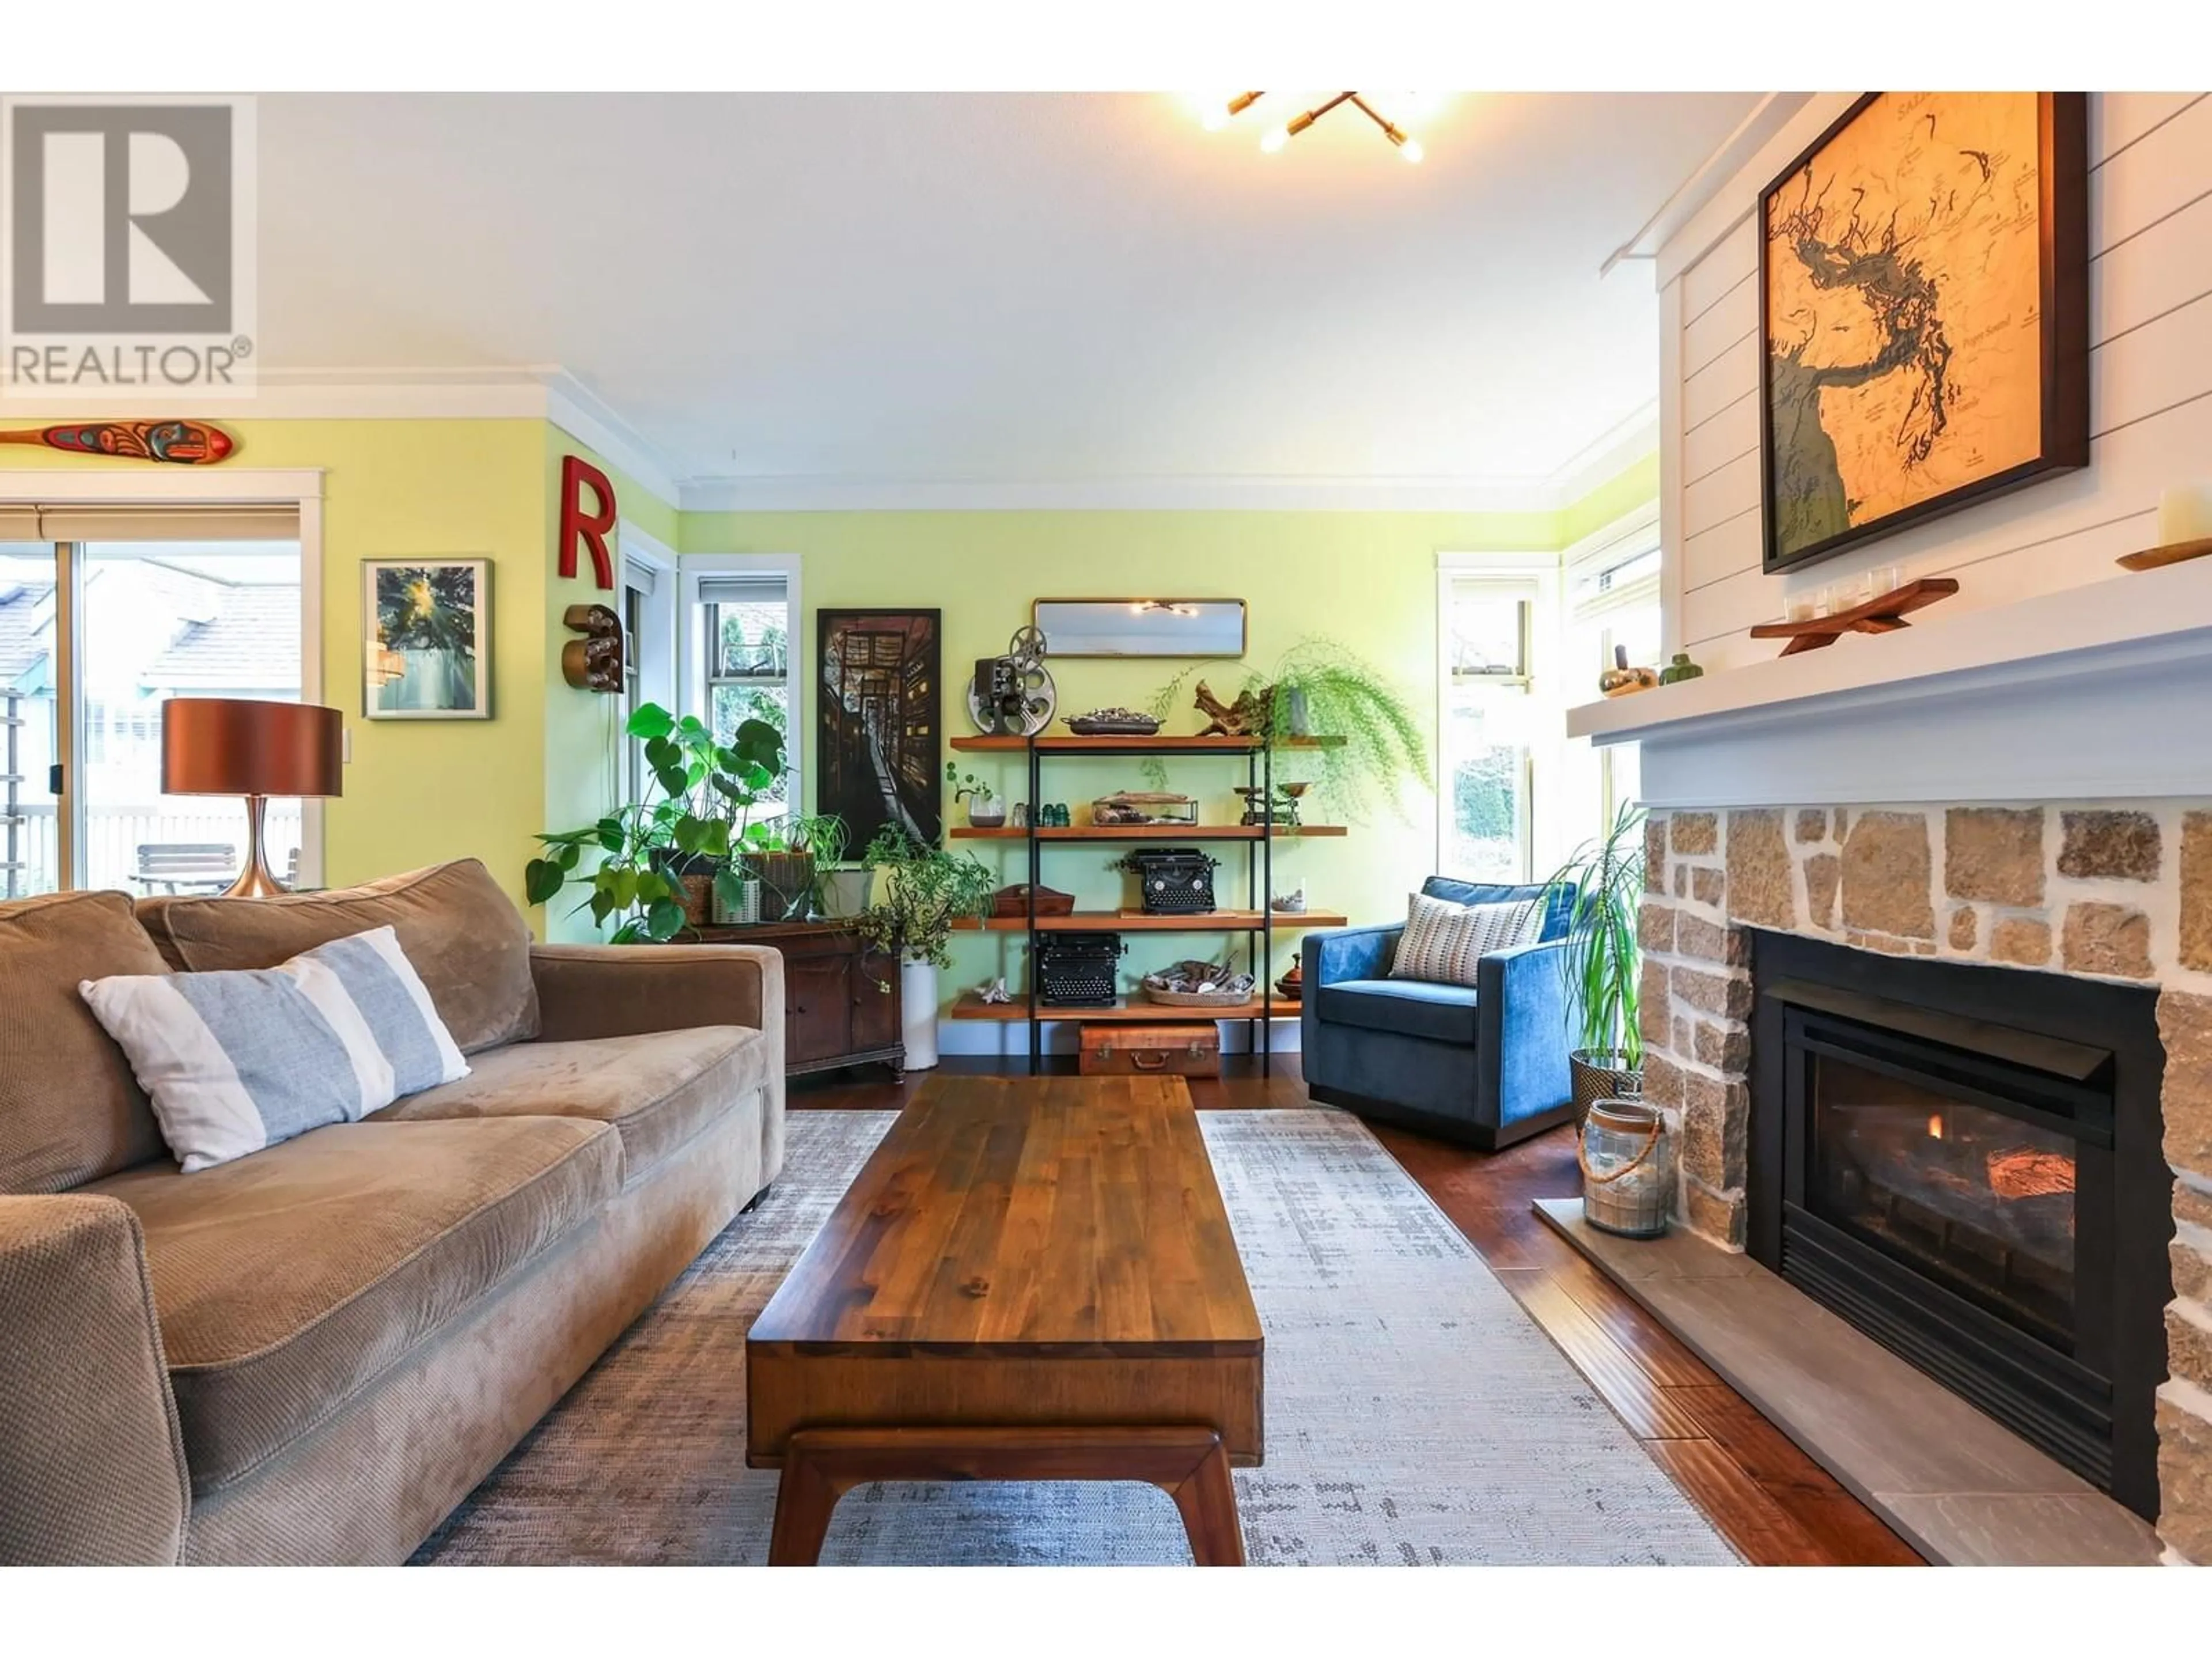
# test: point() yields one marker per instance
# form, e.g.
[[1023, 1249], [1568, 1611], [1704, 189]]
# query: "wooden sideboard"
[[840, 998]]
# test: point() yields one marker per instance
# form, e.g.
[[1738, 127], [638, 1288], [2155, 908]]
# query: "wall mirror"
[[1141, 627]]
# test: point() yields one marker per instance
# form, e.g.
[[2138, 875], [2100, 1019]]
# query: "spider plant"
[[1600, 960]]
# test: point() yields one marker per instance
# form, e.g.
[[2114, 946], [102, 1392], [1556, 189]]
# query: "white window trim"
[[1539, 573], [692, 655], [301, 488]]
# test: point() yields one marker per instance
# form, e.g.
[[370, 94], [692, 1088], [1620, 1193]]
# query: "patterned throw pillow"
[[235, 1061], [1443, 941]]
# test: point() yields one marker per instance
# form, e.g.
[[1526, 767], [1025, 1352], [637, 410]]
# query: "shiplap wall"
[[2150, 332]]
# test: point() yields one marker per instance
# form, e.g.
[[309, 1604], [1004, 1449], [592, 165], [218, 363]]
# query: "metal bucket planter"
[[1602, 1074]]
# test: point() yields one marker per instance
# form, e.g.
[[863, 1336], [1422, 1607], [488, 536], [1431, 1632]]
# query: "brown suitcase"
[[1139, 1050]]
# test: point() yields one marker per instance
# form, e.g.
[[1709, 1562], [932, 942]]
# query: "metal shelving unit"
[[1258, 922]]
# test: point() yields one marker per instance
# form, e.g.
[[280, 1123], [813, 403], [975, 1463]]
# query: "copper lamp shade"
[[235, 746]]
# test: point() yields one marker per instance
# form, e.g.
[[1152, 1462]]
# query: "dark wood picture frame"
[[882, 669], [2062, 127]]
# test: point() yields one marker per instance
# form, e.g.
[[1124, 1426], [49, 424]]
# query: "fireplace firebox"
[[1964, 1162]]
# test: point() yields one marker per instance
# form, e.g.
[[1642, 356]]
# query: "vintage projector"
[[1013, 695]]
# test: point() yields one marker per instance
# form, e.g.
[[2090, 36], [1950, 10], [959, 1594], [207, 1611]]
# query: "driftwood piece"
[[1245, 718]]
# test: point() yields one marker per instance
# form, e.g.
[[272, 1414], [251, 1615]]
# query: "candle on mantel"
[[2184, 514]]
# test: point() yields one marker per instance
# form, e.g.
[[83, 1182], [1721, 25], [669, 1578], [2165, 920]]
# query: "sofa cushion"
[[286, 1282], [464, 935], [70, 1109], [1406, 1007], [657, 1089], [239, 1061]]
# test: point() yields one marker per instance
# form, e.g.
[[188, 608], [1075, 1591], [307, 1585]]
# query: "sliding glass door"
[[95, 637], [30, 727]]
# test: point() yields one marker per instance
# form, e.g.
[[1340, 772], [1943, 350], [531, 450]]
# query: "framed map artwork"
[[1923, 299]]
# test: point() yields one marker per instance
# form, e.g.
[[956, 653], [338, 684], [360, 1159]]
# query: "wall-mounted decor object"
[[2185, 529], [427, 654], [590, 529], [1923, 302], [595, 663], [878, 759], [1013, 695], [1883, 614], [184, 443], [1141, 627]]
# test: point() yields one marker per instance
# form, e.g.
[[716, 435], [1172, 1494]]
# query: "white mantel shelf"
[[2101, 691]]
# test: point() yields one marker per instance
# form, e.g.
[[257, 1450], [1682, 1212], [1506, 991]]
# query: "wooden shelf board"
[[1159, 744], [1138, 1012], [1148, 832], [1113, 921]]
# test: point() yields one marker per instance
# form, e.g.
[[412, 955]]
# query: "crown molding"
[[551, 394], [585, 416], [1172, 492]]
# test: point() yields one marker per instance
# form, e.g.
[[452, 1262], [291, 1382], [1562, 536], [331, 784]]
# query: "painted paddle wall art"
[[1923, 289], [878, 759]]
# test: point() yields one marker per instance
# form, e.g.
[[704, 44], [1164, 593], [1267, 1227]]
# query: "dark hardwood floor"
[[1767, 1497]]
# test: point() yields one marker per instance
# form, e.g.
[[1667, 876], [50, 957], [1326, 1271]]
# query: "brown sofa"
[[312, 1353]]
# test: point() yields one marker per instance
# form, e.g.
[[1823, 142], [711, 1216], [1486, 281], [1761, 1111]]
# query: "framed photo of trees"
[[428, 652]]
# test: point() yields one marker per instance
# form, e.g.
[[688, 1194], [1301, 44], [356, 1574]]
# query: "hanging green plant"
[[1321, 688]]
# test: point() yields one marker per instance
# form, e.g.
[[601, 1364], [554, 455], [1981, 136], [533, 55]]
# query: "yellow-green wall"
[[582, 729], [419, 792], [1367, 579]]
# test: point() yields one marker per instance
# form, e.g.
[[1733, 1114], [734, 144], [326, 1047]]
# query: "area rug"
[[1414, 1414]]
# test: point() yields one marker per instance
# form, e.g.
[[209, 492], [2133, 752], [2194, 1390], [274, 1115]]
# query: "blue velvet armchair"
[[1488, 1066]]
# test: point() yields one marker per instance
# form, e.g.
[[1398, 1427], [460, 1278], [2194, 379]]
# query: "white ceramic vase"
[[918, 1008]]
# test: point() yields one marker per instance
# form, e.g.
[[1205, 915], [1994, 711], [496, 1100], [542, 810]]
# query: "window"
[[739, 628], [1489, 726], [1612, 606], [105, 613]]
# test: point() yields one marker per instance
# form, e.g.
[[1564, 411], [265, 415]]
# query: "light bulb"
[[1275, 140], [1411, 150]]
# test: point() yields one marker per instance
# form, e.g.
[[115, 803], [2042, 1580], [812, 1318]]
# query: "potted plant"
[[1600, 961], [1320, 687], [789, 861], [659, 857], [923, 892], [986, 810]]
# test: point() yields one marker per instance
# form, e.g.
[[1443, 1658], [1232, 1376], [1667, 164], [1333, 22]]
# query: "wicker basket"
[[1602, 1074], [1197, 998]]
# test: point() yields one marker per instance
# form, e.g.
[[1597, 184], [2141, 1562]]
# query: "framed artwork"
[[1923, 282], [427, 654], [878, 759]]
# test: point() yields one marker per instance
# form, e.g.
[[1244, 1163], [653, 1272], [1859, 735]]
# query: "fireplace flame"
[[1935, 1126]]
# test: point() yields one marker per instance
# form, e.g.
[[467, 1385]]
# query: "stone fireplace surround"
[[2116, 891], [2028, 785]]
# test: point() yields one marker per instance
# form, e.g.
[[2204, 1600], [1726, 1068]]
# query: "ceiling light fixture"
[[1220, 116]]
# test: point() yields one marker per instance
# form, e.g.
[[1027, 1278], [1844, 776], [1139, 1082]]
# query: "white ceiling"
[[1038, 290]]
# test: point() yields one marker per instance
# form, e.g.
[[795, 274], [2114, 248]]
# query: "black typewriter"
[[1078, 970], [1175, 881]]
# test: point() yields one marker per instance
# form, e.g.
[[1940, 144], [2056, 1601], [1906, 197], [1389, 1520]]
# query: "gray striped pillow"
[[1444, 941], [235, 1061]]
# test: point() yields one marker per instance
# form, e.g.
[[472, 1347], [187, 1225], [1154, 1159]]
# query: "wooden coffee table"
[[1030, 1279]]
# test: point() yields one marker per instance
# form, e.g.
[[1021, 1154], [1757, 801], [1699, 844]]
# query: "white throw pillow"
[[235, 1061], [1444, 941]]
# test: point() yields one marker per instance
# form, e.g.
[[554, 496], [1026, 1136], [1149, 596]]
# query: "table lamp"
[[237, 746]]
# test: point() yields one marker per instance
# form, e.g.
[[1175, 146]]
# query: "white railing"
[[113, 836]]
